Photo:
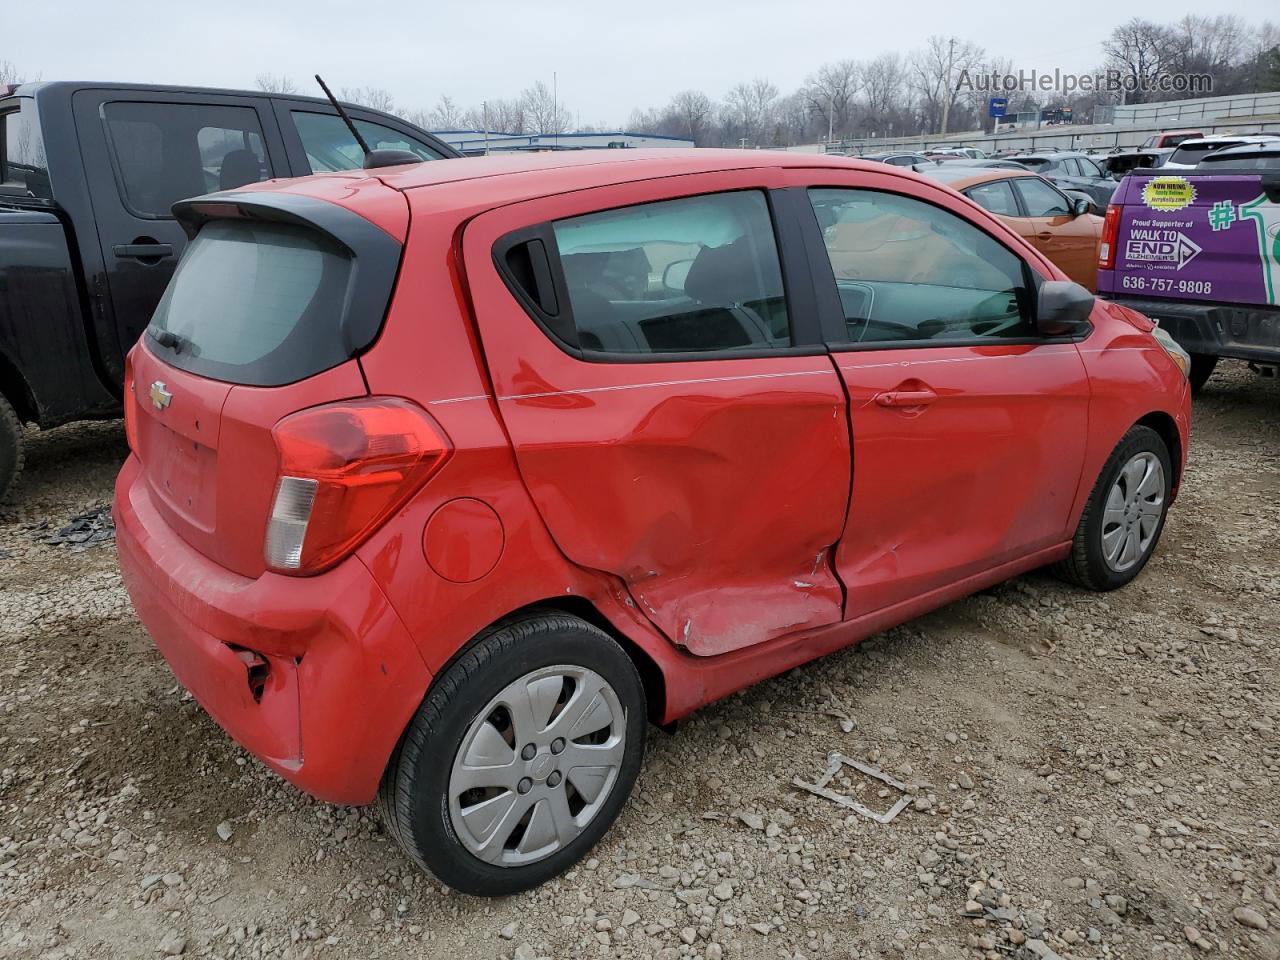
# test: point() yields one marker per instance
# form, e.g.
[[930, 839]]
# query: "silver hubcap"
[[1132, 515], [536, 765]]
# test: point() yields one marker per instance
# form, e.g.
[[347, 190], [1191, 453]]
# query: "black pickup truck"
[[88, 174]]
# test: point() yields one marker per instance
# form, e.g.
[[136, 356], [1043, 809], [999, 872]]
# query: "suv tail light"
[[1110, 233], [344, 469], [130, 410]]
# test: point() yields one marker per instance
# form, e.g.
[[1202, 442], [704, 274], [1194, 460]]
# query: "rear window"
[[1265, 161], [255, 302], [1194, 153]]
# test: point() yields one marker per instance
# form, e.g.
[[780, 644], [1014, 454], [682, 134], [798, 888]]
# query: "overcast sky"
[[609, 57]]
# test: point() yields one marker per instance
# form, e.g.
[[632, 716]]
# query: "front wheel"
[[11, 448], [520, 757], [1125, 515]]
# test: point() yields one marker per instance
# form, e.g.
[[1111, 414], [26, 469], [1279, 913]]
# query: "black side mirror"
[[1080, 206], [1063, 308]]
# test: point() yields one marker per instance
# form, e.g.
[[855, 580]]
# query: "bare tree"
[[751, 105], [936, 71], [1140, 50], [501, 116], [446, 115], [375, 98], [883, 90], [543, 113], [9, 73], [829, 93], [275, 83], [692, 110]]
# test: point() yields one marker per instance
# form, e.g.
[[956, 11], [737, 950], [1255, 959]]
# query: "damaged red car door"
[[969, 428], [674, 419]]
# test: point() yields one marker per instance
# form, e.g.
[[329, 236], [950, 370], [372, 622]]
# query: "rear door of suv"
[[655, 357]]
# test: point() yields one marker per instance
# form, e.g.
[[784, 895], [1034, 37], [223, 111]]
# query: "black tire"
[[12, 454], [1086, 566], [1202, 367], [413, 798]]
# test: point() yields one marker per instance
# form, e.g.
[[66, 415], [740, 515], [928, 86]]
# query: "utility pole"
[[831, 115], [484, 107], [555, 107], [946, 104]]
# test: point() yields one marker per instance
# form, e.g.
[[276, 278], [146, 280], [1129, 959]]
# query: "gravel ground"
[[1091, 776]]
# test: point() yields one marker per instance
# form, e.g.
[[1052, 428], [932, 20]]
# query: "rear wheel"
[[520, 758], [11, 448], [1202, 366], [1125, 515]]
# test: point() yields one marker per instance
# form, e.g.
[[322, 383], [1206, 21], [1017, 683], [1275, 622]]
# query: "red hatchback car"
[[444, 478]]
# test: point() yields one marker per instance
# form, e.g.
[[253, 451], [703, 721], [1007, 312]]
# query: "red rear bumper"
[[315, 676]]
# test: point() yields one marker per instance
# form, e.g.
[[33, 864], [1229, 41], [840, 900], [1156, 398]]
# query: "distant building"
[[475, 142]]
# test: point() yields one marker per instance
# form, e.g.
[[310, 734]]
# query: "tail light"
[[1110, 233], [130, 410], [344, 469]]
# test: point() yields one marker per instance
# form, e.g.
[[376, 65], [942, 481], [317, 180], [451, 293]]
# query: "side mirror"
[[675, 274], [1063, 308], [1080, 206]]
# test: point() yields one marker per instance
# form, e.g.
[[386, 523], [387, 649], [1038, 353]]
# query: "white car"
[[1191, 152]]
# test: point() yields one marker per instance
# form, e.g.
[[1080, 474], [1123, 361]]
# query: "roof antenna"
[[372, 158], [345, 118]]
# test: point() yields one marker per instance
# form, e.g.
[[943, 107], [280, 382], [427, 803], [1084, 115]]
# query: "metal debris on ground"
[[88, 529], [837, 760]]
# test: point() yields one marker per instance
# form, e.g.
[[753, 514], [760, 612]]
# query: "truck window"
[[23, 167], [329, 145], [166, 152]]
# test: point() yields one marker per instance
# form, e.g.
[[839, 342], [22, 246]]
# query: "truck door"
[[145, 150]]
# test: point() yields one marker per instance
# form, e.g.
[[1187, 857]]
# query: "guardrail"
[[1078, 137]]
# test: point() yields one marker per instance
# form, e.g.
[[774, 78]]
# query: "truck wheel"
[[1202, 365], [1124, 517], [11, 452], [520, 757]]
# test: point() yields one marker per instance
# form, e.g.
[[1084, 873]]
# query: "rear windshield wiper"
[[173, 341]]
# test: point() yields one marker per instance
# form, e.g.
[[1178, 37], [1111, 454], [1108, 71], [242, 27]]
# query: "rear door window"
[[255, 302], [166, 152], [693, 275], [329, 145], [24, 169], [996, 197]]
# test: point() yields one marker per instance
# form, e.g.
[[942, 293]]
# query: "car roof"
[[1220, 137], [960, 177], [1054, 155], [41, 88], [512, 177]]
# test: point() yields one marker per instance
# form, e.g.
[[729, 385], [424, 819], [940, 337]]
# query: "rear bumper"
[[1215, 329], [315, 676]]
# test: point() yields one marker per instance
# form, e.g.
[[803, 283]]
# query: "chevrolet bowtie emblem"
[[160, 396]]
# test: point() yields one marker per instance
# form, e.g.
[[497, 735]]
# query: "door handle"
[[1044, 235], [906, 398], [140, 251]]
